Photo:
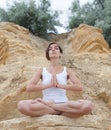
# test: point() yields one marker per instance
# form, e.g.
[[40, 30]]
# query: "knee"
[[87, 107], [20, 105]]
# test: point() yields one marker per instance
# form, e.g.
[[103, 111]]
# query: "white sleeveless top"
[[56, 94]]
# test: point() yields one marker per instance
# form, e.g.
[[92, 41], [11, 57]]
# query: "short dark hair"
[[47, 50]]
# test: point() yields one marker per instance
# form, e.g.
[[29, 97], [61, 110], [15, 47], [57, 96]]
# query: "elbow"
[[29, 88], [80, 87]]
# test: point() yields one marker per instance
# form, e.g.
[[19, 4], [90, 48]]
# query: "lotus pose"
[[54, 86]]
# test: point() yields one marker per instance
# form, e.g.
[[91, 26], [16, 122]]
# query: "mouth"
[[53, 52]]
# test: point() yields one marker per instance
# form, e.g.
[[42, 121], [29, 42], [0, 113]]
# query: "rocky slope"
[[21, 54]]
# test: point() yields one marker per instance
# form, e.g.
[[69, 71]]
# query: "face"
[[54, 51]]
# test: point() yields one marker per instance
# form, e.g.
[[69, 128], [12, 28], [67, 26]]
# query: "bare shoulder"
[[40, 71], [72, 75], [37, 76], [70, 70]]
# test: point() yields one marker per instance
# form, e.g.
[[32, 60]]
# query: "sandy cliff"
[[21, 54]]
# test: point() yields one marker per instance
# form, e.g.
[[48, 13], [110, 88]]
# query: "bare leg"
[[35, 108], [74, 108]]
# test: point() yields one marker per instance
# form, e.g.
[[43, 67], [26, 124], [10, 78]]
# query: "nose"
[[53, 49]]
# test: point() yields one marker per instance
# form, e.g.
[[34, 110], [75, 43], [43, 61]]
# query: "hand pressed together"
[[55, 82]]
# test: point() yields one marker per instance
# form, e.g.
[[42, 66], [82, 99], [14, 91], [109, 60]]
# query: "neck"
[[55, 63]]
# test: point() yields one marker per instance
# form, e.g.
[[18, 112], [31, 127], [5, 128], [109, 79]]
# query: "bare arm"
[[75, 82], [33, 83]]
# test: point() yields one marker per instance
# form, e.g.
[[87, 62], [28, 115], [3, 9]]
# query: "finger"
[[52, 79], [57, 85]]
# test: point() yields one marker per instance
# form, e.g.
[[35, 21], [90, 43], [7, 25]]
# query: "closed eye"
[[56, 48]]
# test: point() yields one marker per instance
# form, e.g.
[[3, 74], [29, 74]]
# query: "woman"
[[54, 85]]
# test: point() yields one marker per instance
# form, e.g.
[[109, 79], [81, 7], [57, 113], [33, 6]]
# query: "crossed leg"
[[74, 109], [38, 107]]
